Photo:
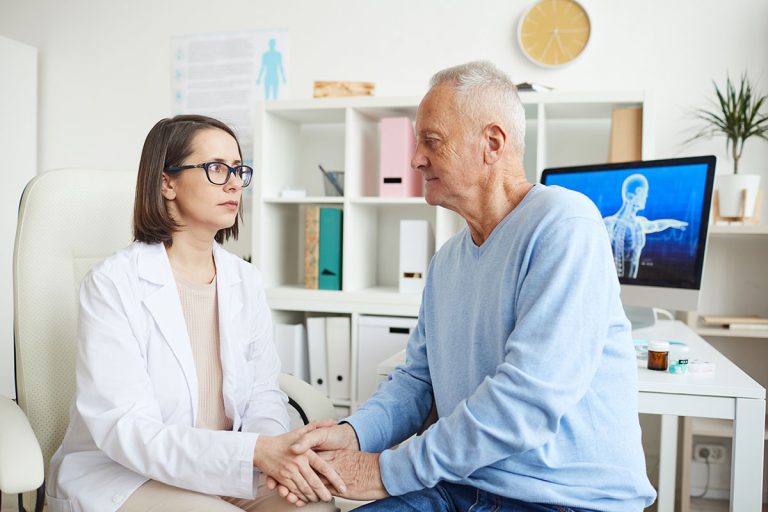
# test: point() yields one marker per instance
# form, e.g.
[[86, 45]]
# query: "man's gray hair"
[[480, 86]]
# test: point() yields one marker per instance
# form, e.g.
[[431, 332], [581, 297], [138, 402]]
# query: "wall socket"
[[714, 453]]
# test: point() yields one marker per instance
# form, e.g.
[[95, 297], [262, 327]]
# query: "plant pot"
[[737, 194]]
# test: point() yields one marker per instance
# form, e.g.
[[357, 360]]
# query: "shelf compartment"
[[293, 145], [282, 242], [372, 241], [733, 283]]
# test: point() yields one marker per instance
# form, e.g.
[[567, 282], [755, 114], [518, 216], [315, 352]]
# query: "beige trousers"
[[155, 496]]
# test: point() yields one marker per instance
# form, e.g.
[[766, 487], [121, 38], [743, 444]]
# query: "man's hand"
[[361, 472], [275, 457], [335, 437]]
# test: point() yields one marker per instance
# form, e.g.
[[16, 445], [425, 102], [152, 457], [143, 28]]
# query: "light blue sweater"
[[526, 349]]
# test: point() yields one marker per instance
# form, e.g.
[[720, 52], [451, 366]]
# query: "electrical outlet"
[[714, 453]]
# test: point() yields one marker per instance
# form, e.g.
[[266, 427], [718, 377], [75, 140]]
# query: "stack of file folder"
[[329, 355], [322, 248]]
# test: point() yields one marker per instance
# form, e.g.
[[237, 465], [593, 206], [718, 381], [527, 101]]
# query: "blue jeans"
[[446, 497]]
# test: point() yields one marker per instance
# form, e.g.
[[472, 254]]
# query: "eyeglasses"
[[218, 173]]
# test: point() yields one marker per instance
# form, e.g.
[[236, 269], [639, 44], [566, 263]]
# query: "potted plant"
[[737, 116]]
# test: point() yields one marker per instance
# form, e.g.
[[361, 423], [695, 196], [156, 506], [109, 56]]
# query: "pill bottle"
[[658, 355]]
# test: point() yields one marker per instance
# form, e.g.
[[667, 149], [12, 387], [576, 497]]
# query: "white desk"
[[728, 393]]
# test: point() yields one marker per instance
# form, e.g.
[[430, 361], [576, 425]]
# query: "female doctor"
[[177, 405]]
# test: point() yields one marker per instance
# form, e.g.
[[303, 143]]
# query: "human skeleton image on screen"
[[627, 229], [654, 215]]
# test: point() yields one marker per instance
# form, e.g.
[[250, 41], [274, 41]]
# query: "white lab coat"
[[136, 401]]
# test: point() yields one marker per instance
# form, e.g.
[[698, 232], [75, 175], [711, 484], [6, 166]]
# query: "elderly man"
[[522, 341]]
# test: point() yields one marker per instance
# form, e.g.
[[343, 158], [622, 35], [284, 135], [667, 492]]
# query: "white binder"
[[318, 366], [378, 338], [338, 341], [291, 344]]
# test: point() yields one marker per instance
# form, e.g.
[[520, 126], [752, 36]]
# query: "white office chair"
[[68, 220]]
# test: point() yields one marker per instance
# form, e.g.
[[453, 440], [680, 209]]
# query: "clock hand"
[[544, 51], [559, 44]]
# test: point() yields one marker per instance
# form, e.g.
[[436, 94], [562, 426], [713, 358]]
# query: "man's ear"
[[495, 142], [168, 188]]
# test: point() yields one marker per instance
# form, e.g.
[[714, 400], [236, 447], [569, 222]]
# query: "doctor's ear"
[[168, 187]]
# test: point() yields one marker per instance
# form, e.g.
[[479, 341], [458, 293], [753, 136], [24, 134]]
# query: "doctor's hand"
[[335, 437], [297, 472]]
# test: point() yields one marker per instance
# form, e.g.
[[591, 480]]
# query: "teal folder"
[[329, 263]]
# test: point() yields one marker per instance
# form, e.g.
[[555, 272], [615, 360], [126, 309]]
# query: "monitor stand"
[[640, 316]]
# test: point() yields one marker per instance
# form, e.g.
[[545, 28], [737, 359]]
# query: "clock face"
[[554, 32]]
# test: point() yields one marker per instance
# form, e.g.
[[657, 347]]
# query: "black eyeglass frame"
[[230, 171]]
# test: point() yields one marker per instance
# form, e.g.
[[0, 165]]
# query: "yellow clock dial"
[[554, 32]]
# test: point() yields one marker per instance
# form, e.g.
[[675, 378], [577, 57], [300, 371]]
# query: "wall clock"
[[554, 32]]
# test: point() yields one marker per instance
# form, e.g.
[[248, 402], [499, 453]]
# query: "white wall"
[[104, 64], [18, 164]]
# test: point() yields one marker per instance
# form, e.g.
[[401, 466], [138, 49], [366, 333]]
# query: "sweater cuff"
[[398, 473]]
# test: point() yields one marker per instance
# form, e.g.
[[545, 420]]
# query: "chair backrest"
[[68, 220]]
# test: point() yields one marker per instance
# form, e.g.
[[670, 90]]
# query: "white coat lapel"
[[163, 303], [230, 296]]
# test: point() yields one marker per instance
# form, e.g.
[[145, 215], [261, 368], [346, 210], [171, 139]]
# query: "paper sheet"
[[223, 75]]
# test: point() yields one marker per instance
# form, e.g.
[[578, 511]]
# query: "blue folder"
[[329, 272]]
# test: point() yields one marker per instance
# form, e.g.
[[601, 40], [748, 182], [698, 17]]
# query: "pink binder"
[[396, 178]]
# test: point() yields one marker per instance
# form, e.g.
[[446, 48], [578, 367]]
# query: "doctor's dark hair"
[[168, 143]]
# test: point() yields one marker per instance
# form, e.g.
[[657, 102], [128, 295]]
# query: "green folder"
[[330, 249]]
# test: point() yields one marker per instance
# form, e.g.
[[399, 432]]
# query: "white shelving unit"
[[734, 283], [293, 137]]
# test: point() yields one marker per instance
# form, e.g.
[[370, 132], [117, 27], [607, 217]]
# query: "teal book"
[[329, 261]]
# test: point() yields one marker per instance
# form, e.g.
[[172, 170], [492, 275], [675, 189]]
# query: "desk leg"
[[747, 461], [667, 464]]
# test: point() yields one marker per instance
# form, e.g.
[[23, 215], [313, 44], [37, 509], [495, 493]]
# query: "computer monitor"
[[657, 214]]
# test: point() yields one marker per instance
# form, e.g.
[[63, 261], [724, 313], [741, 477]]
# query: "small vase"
[[732, 199]]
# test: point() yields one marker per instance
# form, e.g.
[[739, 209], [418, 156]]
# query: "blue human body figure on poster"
[[627, 230], [272, 71]]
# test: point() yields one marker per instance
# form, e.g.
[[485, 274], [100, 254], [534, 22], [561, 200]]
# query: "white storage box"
[[379, 337]]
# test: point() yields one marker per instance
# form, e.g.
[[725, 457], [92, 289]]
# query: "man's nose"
[[419, 161]]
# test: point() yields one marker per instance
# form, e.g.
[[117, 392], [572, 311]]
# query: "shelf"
[[304, 200], [292, 137], [357, 102], [738, 230], [389, 200], [371, 301], [732, 333]]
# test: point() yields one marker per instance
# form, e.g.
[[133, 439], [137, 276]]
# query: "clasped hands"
[[302, 464]]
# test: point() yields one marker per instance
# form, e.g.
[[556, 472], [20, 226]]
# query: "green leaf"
[[736, 116]]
